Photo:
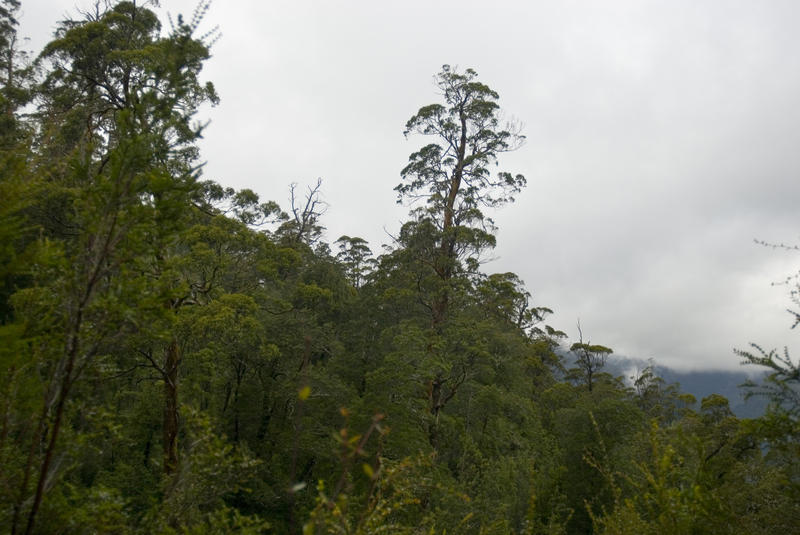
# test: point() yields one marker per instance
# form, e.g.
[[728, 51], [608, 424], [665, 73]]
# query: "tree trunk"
[[170, 439], [236, 407], [447, 255], [439, 310], [61, 401]]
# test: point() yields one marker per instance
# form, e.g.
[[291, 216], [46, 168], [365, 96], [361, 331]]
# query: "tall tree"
[[13, 70], [453, 177], [117, 144], [441, 246], [303, 226], [354, 255], [589, 360]]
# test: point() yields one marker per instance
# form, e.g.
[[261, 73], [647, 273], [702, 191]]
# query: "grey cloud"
[[662, 138]]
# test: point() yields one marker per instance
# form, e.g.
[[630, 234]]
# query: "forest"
[[177, 356]]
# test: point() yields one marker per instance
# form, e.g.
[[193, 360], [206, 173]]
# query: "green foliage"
[[354, 255], [657, 399], [400, 497], [782, 384], [452, 176], [175, 354], [703, 474], [469, 139], [589, 360], [192, 499]]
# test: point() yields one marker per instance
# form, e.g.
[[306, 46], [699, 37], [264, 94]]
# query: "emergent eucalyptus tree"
[[453, 176]]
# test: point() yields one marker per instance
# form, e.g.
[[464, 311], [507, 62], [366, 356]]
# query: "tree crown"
[[453, 174]]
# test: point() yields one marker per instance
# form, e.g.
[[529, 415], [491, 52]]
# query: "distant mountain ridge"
[[700, 383], [703, 383]]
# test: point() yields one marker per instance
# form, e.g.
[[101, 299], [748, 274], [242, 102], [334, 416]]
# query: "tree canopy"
[[180, 357]]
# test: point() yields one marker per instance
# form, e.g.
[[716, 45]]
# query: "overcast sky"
[[662, 138]]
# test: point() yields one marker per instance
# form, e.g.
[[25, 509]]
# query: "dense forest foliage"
[[180, 357]]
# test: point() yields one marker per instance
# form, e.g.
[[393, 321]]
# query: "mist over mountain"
[[699, 383]]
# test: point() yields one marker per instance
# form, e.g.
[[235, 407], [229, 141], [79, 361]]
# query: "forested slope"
[[180, 357]]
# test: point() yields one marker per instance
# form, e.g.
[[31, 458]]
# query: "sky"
[[662, 139]]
